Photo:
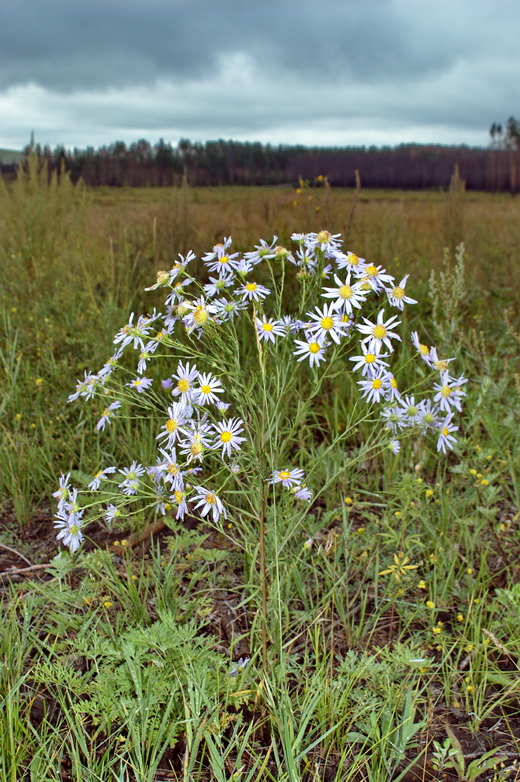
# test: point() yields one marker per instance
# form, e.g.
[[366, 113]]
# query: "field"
[[369, 634]]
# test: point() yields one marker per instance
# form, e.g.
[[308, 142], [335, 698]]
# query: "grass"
[[388, 644]]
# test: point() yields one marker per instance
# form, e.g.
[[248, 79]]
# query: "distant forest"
[[214, 163]]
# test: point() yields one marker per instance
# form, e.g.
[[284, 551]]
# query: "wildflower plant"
[[227, 372]]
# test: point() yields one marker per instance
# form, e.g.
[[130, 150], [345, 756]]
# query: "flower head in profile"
[[287, 478]]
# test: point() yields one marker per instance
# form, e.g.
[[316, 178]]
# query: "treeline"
[[215, 163]]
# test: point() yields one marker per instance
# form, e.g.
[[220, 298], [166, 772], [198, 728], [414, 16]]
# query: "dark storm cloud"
[[67, 45]]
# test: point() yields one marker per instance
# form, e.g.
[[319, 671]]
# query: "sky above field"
[[327, 72]]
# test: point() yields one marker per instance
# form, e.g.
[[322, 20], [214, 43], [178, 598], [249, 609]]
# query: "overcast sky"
[[320, 72]]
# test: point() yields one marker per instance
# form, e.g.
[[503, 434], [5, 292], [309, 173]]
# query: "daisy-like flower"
[[394, 417], [227, 309], [199, 313], [197, 442], [423, 350], [142, 384], [446, 440], [411, 410], [327, 323], [210, 503], [397, 295], [107, 415], [394, 446], [375, 388], [252, 291], [429, 415], [112, 512], [313, 349], [87, 387], [70, 530], [324, 240], [350, 261], [369, 363], [219, 259], [287, 478], [301, 492], [132, 475], [146, 354], [345, 295], [440, 364], [267, 329], [102, 475], [110, 364], [262, 252], [228, 435], [217, 284], [179, 415], [449, 392], [208, 388], [170, 469], [379, 333], [376, 277], [184, 381], [178, 498], [63, 492]]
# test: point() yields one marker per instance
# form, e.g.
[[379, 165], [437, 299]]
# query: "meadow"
[[369, 635]]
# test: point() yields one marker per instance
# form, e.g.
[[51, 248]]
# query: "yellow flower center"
[[323, 236], [314, 347], [445, 431], [442, 366], [223, 259], [211, 499], [445, 391], [267, 326], [179, 496], [196, 449], [171, 425], [200, 317], [173, 469], [379, 331], [284, 475], [345, 292], [183, 385], [251, 286], [162, 276], [370, 358], [205, 389], [371, 270], [398, 293], [326, 323], [353, 259], [377, 383], [423, 350], [98, 474], [226, 437], [393, 382]]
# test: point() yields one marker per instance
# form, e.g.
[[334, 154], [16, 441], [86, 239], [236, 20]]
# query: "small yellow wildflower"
[[460, 617], [422, 584], [437, 630], [484, 482], [430, 604], [429, 493], [399, 568], [472, 471], [107, 604], [469, 648], [348, 500], [469, 571]]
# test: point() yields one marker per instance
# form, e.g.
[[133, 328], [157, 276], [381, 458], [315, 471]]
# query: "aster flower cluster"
[[343, 309]]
